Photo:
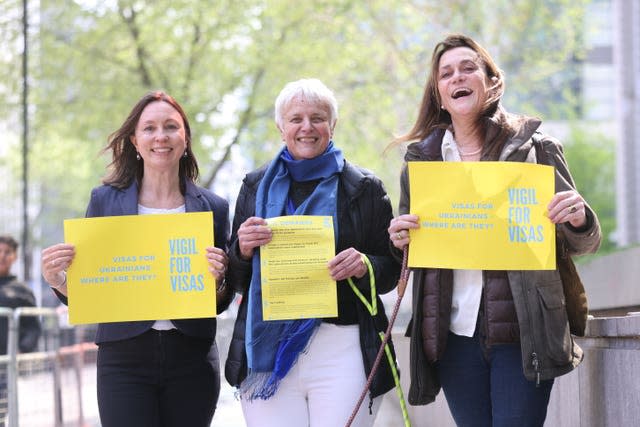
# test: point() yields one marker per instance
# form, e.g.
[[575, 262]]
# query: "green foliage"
[[10, 60], [225, 62], [591, 158]]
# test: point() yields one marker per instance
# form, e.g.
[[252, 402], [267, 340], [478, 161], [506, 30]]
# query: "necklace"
[[470, 153]]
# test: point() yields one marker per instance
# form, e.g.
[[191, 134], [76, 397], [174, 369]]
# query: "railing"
[[46, 387]]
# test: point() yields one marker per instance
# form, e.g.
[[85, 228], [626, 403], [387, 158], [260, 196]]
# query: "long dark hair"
[[124, 166], [431, 116]]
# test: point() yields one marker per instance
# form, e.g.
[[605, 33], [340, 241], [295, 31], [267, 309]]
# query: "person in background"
[[311, 372], [494, 340], [163, 372], [14, 294]]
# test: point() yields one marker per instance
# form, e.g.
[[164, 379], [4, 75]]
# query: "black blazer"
[[107, 200]]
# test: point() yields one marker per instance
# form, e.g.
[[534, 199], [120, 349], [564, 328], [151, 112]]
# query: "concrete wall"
[[611, 280], [605, 389]]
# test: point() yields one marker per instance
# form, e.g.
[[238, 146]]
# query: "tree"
[[591, 158], [226, 61]]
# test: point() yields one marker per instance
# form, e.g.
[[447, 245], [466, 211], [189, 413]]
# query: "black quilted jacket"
[[364, 213]]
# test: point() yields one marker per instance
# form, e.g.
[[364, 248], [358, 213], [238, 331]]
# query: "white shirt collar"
[[450, 151]]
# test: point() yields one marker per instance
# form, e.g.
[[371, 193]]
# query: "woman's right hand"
[[54, 262], [253, 233], [399, 229]]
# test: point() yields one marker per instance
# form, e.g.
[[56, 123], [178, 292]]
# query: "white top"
[[161, 325], [467, 284]]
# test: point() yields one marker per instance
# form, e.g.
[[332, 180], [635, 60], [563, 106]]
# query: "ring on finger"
[[398, 235], [573, 209]]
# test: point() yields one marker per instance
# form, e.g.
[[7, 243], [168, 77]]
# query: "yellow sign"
[[140, 267], [482, 215], [296, 283]]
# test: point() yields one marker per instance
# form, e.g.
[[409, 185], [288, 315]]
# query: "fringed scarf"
[[273, 347]]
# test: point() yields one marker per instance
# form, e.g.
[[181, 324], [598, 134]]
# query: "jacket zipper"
[[536, 366], [483, 307], [535, 362]]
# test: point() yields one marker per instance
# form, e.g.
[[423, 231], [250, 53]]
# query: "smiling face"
[[463, 85], [160, 136], [306, 128]]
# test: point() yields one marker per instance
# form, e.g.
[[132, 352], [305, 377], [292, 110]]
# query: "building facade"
[[626, 57]]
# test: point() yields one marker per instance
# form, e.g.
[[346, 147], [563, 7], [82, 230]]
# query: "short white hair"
[[312, 90]]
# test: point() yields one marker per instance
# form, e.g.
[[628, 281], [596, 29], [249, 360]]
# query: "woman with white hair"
[[310, 372]]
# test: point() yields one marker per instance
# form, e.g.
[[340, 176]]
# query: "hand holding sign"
[[480, 215], [140, 267]]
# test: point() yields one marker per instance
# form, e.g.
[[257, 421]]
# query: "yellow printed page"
[[140, 267], [482, 215], [295, 278]]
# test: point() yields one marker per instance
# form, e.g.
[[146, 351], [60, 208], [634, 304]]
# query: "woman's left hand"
[[568, 206], [346, 264], [218, 262]]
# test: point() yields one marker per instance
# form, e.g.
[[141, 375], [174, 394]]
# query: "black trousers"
[[158, 379]]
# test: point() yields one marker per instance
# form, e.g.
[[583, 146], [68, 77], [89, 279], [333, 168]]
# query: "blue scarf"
[[273, 347]]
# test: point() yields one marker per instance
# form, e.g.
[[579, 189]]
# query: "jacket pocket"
[[556, 326]]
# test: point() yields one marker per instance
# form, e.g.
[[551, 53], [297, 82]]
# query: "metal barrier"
[[53, 386]]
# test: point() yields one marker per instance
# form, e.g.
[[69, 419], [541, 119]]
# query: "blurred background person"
[[14, 294]]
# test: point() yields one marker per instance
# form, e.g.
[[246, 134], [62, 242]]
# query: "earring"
[[137, 156], [442, 108], [185, 155]]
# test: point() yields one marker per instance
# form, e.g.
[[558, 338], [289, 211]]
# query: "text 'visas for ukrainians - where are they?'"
[[482, 215], [140, 267]]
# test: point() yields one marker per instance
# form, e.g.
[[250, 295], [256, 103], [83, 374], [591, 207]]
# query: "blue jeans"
[[486, 387]]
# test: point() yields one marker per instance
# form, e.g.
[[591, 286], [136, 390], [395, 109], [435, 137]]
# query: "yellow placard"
[[482, 215], [296, 283], [140, 267]]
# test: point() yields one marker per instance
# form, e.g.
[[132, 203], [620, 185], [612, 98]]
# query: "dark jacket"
[[364, 212], [107, 200], [14, 294], [548, 349]]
